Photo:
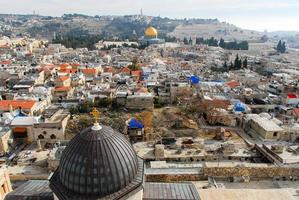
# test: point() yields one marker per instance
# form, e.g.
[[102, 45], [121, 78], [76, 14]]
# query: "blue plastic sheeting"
[[239, 107], [194, 79], [135, 124], [21, 114]]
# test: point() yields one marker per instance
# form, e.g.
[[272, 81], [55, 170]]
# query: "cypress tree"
[[225, 67], [283, 47], [222, 43], [186, 41], [245, 63], [279, 46], [238, 63]]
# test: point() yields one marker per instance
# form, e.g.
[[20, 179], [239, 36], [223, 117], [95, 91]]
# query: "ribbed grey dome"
[[97, 162]]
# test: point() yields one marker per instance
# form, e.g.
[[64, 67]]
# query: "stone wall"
[[173, 177], [254, 172], [226, 172]]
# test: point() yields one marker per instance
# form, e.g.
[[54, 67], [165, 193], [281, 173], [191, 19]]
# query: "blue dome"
[[194, 79], [239, 107], [135, 124]]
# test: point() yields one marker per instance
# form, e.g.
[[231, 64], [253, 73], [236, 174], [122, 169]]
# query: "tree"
[[225, 66], [199, 40], [134, 65], [245, 63], [278, 47], [222, 43], [186, 41], [231, 45], [243, 45], [212, 42], [237, 63], [283, 47]]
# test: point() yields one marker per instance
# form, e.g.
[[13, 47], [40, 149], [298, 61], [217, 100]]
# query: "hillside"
[[217, 30], [123, 27]]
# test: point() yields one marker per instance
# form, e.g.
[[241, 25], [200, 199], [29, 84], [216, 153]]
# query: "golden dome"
[[151, 32]]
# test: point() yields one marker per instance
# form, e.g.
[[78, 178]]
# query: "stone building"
[[49, 128], [5, 134], [265, 128], [63, 81], [100, 163], [140, 102], [53, 126], [5, 184]]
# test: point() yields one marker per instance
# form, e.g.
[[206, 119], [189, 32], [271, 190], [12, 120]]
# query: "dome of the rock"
[[151, 32]]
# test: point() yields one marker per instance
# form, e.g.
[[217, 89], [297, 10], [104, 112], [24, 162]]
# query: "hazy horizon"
[[271, 15]]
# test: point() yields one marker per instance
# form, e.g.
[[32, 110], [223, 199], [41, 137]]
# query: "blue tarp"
[[194, 79], [20, 114], [239, 107], [135, 124]]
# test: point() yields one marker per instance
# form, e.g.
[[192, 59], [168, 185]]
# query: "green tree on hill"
[[186, 41], [281, 47], [199, 40], [245, 63], [237, 63], [222, 43]]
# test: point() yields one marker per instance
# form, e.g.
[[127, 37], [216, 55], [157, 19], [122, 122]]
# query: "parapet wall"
[[226, 172], [253, 172]]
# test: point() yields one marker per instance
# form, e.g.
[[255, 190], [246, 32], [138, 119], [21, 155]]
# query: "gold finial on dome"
[[95, 115]]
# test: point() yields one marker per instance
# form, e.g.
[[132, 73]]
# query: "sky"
[[270, 15]]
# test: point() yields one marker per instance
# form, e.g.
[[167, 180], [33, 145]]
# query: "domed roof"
[[151, 32], [96, 163]]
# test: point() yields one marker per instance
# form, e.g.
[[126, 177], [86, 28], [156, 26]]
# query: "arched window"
[[41, 137], [53, 136]]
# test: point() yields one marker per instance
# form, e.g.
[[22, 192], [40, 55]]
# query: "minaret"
[[141, 13]]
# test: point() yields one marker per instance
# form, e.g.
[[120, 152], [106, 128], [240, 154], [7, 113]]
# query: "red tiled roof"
[[75, 64], [125, 70], [89, 71], [109, 69], [296, 112], [5, 62], [70, 71], [62, 78], [233, 84], [47, 67], [62, 88], [292, 96], [5, 46], [15, 104], [64, 65], [136, 73]]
